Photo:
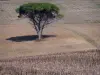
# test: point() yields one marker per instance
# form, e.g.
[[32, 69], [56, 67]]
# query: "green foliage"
[[38, 7]]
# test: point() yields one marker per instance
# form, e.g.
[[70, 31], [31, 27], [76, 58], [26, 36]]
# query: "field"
[[75, 11], [74, 63], [72, 38]]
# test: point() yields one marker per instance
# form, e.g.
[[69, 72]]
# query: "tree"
[[40, 14]]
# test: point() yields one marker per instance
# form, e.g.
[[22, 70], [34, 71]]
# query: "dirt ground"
[[20, 40], [17, 36]]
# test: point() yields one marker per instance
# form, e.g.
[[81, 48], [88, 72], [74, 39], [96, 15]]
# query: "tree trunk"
[[40, 35]]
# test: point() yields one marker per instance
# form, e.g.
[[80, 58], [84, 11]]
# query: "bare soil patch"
[[20, 40]]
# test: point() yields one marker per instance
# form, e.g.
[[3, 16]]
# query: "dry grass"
[[73, 63], [74, 11]]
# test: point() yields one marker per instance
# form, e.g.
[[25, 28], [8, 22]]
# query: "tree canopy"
[[25, 8]]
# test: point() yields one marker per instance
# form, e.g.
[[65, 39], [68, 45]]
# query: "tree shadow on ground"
[[28, 38]]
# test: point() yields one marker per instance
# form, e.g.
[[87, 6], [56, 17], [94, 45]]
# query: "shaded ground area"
[[73, 63], [28, 38]]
